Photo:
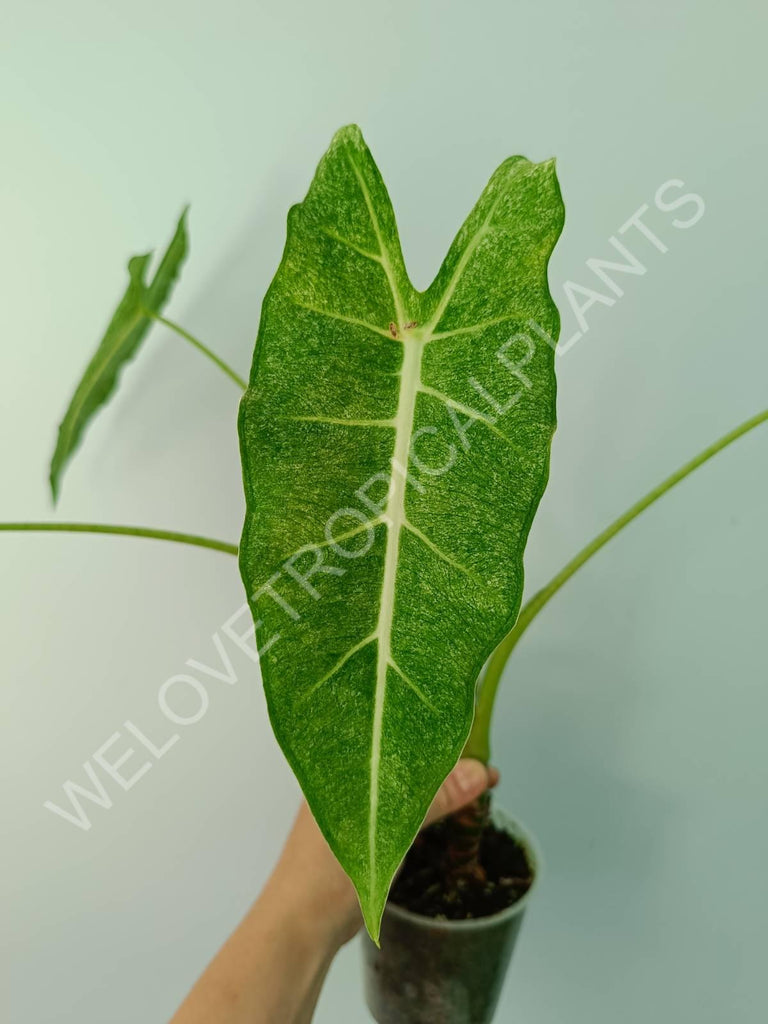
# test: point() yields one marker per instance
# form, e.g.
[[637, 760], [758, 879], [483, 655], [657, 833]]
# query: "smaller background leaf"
[[120, 343]]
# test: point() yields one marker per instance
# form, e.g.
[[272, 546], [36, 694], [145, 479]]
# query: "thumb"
[[468, 780]]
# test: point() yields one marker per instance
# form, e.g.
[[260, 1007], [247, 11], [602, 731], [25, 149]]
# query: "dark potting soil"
[[422, 888]]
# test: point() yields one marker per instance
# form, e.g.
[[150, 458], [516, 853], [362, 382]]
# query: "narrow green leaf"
[[377, 597], [120, 343]]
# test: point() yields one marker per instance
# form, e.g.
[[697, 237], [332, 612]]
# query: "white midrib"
[[394, 516], [394, 513]]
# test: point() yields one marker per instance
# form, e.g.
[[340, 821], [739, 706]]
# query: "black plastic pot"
[[444, 972]]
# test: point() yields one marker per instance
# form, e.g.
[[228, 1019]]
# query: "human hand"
[[273, 966]]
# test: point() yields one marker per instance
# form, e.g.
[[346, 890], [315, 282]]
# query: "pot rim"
[[515, 828]]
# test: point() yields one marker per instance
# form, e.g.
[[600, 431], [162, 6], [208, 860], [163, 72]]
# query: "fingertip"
[[470, 777]]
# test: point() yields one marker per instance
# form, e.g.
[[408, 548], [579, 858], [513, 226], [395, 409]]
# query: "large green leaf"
[[121, 341], [370, 662]]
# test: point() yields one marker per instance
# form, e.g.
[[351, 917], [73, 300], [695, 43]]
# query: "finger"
[[468, 780]]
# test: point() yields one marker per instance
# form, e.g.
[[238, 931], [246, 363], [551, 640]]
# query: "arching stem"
[[196, 343], [478, 744], [124, 531]]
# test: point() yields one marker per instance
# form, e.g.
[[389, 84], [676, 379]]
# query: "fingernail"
[[493, 776], [470, 776]]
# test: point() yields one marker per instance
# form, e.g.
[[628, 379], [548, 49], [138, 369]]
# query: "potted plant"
[[395, 446]]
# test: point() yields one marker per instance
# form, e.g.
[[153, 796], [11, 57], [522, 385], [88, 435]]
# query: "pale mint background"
[[631, 732]]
